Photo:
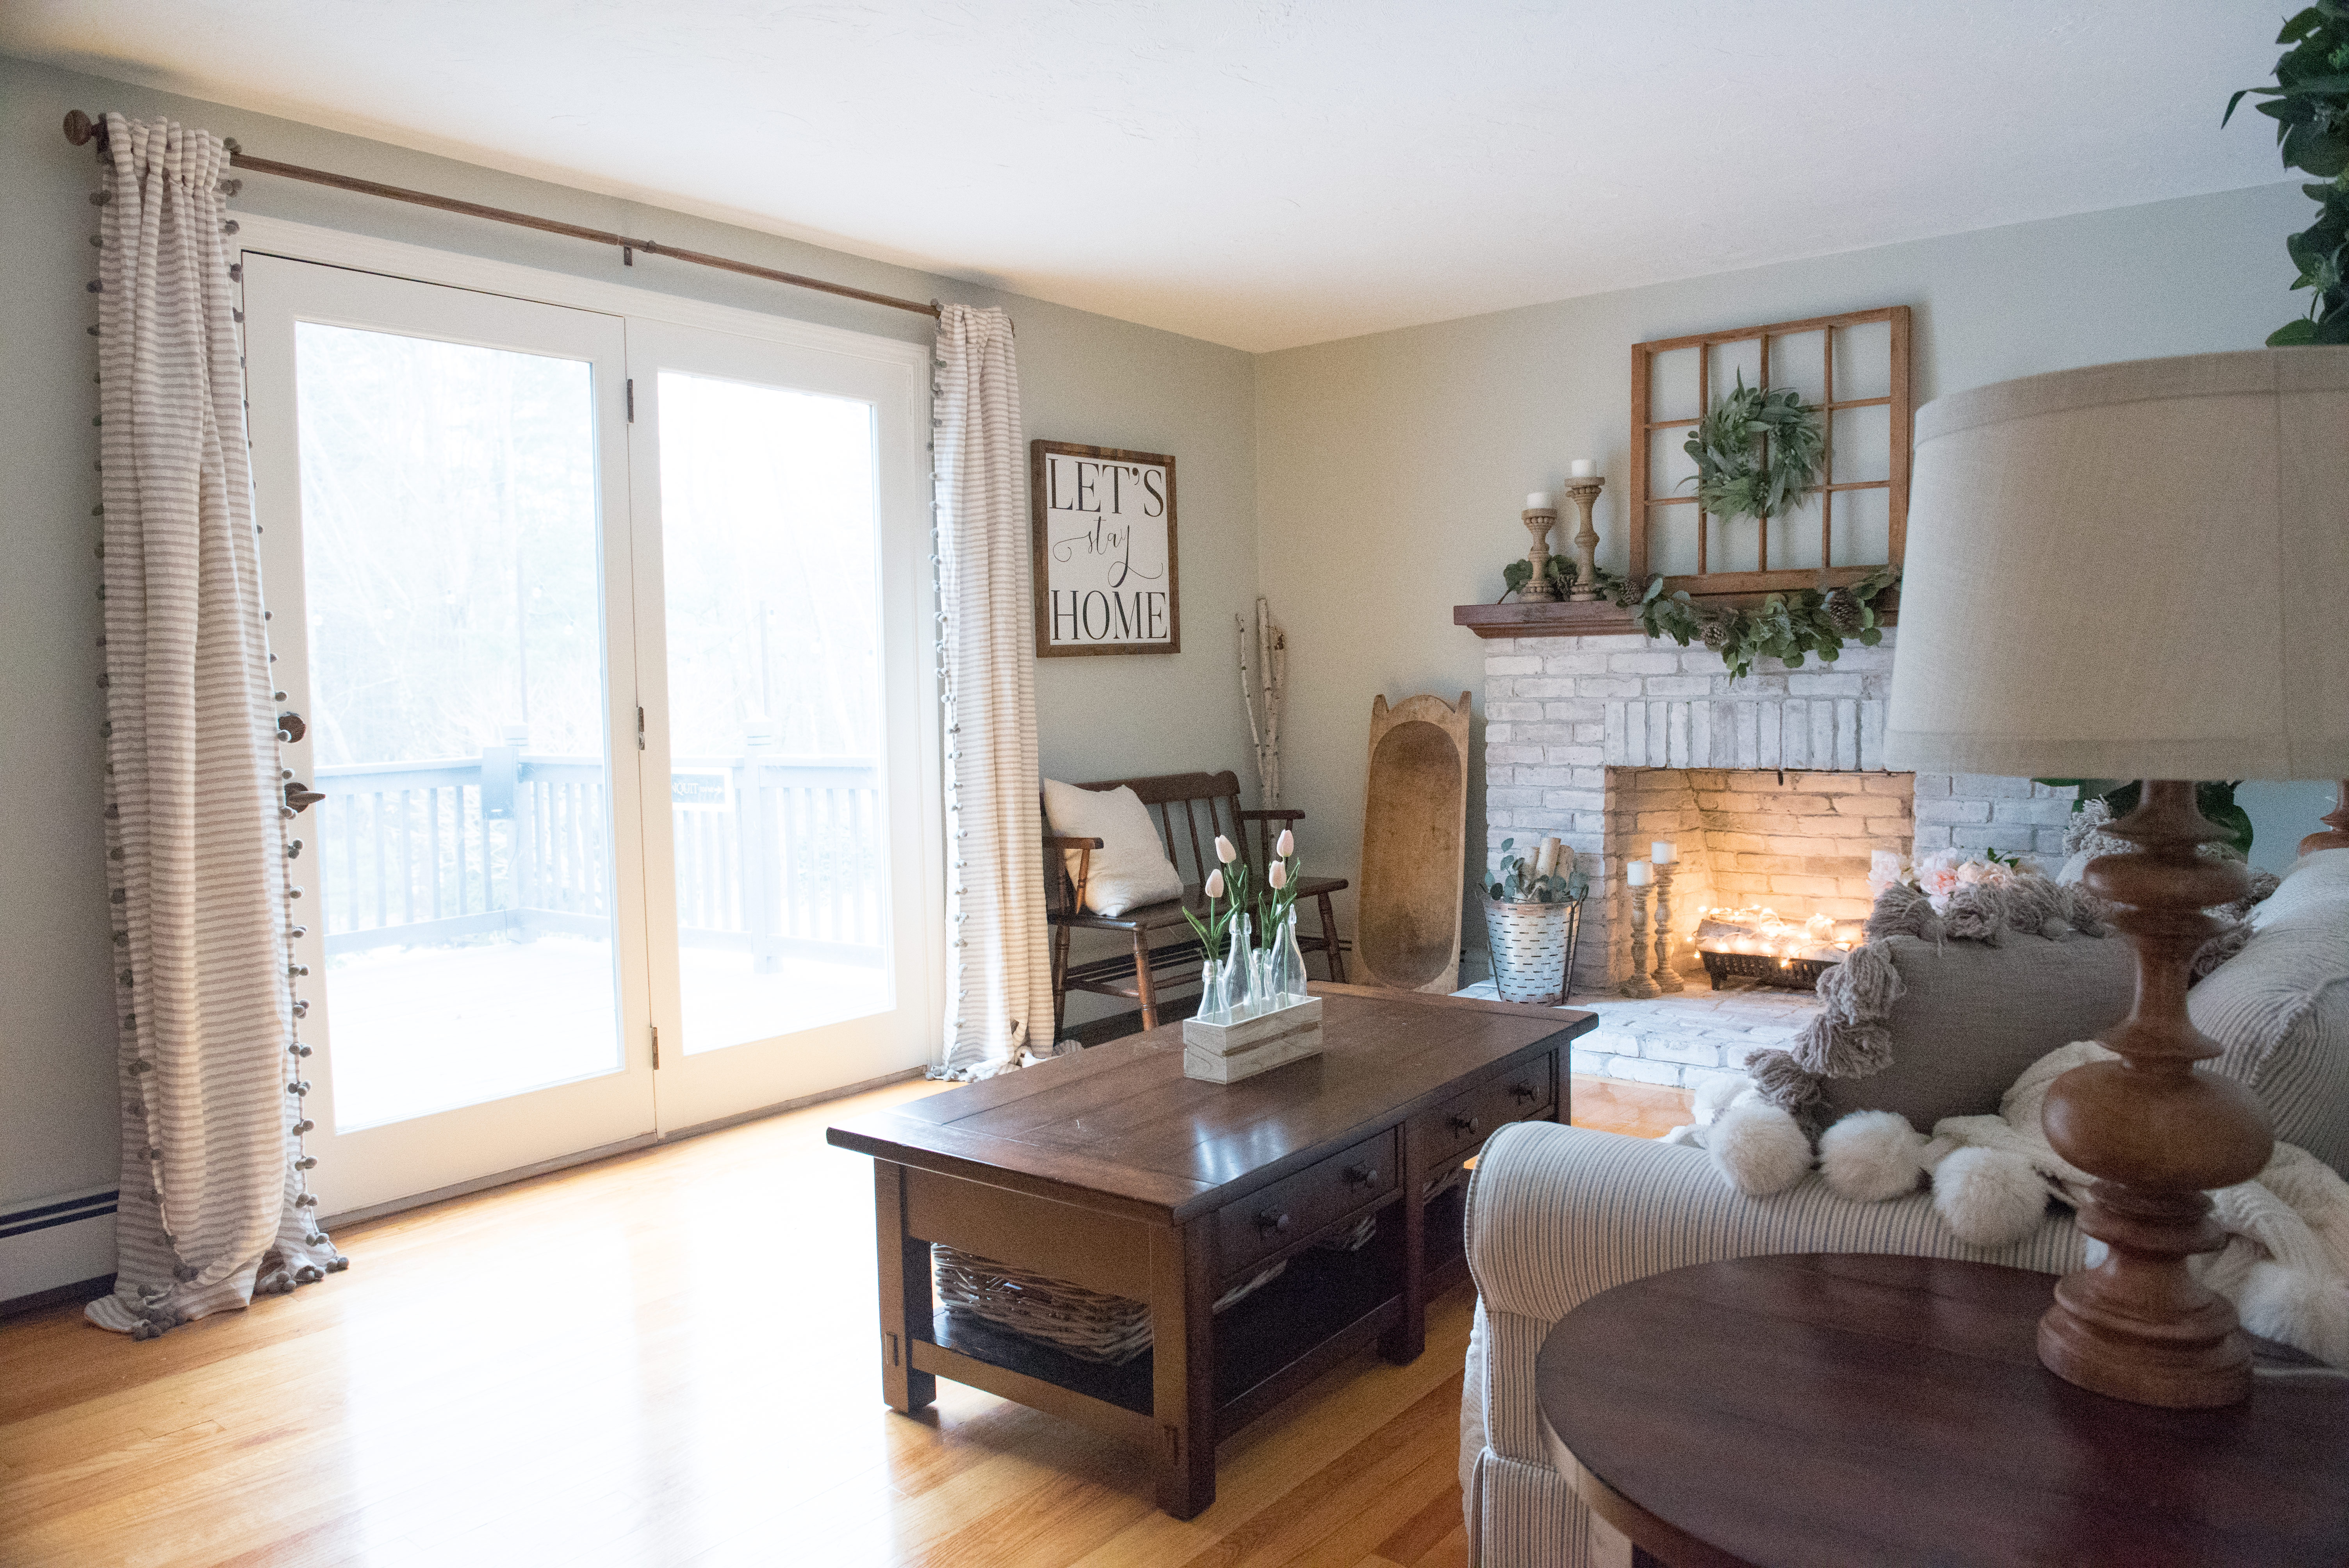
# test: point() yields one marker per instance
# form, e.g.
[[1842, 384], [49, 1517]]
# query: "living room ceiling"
[[1262, 173]]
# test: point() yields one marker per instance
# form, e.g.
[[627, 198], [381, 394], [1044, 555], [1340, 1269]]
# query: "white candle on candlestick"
[[1640, 874], [1582, 469], [1540, 500], [1663, 852]]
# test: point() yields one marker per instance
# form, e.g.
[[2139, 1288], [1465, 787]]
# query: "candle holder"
[[1639, 985], [1539, 520], [1667, 978], [1582, 493]]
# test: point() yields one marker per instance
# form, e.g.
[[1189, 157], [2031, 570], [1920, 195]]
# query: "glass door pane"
[[441, 477], [777, 804], [455, 629]]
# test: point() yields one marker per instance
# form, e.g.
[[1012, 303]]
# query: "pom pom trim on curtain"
[[998, 964], [214, 1204]]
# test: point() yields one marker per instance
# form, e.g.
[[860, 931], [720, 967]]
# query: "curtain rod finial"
[[80, 129]]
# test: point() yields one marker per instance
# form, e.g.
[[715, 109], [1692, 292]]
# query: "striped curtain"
[[213, 1206], [999, 967]]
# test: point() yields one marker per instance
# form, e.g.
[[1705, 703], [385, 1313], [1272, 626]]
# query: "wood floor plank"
[[662, 1359]]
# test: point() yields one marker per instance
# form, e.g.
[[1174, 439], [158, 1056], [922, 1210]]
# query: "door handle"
[[1463, 1123]]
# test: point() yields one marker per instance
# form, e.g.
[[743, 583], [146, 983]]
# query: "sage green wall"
[[1084, 378], [1391, 469]]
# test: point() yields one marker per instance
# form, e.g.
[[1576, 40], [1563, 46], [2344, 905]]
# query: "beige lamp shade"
[[2136, 571]]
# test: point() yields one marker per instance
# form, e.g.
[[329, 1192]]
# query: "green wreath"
[[1733, 477]]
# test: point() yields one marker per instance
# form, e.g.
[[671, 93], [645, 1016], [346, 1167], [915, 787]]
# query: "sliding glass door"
[[793, 720], [601, 639], [448, 582]]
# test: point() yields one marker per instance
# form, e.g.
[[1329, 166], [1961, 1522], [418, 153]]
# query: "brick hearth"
[[1680, 1041]]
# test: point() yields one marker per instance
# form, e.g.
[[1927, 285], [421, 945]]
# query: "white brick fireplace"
[[1773, 787]]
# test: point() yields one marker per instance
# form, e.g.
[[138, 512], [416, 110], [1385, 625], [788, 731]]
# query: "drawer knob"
[[1270, 1223], [1360, 1175], [1460, 1123], [1521, 1092]]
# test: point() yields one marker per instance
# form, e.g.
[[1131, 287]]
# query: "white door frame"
[[907, 503], [364, 1166], [701, 1087]]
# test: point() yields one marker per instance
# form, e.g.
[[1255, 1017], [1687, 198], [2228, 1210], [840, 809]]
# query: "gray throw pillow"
[[1971, 1017]]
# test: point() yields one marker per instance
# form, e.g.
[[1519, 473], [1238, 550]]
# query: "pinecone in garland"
[[1843, 612], [1720, 627]]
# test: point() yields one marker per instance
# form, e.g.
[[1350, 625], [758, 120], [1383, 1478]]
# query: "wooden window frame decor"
[[1130, 491], [1644, 508]]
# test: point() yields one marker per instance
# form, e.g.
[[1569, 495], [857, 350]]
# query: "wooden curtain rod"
[[81, 129]]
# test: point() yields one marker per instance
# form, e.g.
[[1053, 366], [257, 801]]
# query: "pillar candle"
[[1663, 852], [1540, 500], [1640, 874], [1582, 469]]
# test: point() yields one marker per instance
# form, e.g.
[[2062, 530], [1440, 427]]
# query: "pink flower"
[[1224, 850], [1215, 883], [1278, 876], [1287, 846], [1938, 876]]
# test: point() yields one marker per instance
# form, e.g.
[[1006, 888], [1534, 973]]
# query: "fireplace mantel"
[[1598, 619]]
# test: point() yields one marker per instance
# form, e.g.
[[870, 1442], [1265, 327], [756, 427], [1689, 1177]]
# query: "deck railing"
[[777, 855]]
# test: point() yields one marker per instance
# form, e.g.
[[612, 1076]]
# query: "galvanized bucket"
[[1532, 949]]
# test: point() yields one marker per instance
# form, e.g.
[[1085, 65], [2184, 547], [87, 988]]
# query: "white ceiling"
[[1262, 173]]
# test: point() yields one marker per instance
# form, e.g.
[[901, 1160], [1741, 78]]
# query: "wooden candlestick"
[[1539, 520], [1639, 985], [2337, 823], [1582, 492], [1667, 979], [2158, 1136]]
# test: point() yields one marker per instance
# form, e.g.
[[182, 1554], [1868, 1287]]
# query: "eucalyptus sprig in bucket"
[[1532, 909]]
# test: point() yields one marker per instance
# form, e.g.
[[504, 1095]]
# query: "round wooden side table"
[[1821, 1410]]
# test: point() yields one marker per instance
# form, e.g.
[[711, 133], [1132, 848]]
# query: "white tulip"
[[1288, 845], [1278, 876], [1224, 850], [1215, 883]]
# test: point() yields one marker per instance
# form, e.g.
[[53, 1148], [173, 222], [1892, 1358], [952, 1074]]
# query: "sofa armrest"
[[1556, 1215]]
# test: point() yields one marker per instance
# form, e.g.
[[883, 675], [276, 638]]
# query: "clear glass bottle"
[[1240, 997], [1288, 964], [1215, 1004]]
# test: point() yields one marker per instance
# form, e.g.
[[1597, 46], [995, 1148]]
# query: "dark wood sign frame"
[[1039, 453]]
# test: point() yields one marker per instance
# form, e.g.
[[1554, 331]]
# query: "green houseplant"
[[2310, 104]]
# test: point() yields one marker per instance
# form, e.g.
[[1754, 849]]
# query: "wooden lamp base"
[[2158, 1136]]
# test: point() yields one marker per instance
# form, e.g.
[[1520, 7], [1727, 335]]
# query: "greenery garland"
[[2310, 105], [1758, 451], [1789, 627]]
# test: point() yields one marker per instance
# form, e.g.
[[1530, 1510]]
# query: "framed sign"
[[1104, 525]]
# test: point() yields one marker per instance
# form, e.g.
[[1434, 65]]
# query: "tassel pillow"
[[1130, 868]]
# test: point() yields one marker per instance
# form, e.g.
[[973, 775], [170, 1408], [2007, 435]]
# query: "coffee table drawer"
[[1289, 1210], [1522, 1094]]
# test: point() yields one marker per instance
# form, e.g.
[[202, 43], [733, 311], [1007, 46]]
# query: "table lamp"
[[2138, 571]]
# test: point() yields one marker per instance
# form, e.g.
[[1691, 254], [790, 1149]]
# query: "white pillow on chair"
[[1130, 868]]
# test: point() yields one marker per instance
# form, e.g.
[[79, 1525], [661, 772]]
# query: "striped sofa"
[[1557, 1214]]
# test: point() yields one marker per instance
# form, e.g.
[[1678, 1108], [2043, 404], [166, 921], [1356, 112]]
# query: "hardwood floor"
[[666, 1358]]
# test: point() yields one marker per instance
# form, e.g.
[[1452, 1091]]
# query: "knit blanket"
[[2286, 1262]]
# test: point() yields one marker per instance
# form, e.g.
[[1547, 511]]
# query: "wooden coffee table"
[[1838, 1409], [1113, 1171]]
